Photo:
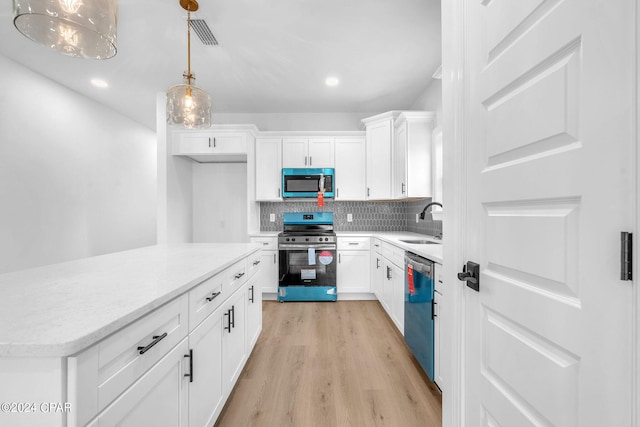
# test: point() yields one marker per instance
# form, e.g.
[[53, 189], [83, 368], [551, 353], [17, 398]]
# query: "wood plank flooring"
[[331, 364]]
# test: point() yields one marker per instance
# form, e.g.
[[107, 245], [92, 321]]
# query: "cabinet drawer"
[[253, 263], [268, 243], [393, 254], [205, 298], [377, 245], [235, 276], [101, 373], [354, 243]]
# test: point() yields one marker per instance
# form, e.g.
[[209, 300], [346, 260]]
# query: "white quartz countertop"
[[61, 309], [429, 251]]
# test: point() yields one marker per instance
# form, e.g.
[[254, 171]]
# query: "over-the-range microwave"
[[307, 182]]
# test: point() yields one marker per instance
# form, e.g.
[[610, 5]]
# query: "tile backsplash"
[[367, 216]]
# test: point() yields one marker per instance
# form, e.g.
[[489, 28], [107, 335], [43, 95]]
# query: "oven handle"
[[293, 247]]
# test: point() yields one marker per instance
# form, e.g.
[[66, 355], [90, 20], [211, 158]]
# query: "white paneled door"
[[549, 103]]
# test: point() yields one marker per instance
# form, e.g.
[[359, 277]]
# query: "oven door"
[[307, 265]]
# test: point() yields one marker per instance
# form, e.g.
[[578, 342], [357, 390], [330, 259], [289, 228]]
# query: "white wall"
[[76, 178], [220, 203], [296, 121], [431, 100]]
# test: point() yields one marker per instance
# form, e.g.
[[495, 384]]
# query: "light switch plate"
[[272, 217], [349, 217]]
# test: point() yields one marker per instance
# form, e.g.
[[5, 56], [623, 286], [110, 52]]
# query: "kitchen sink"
[[421, 242]]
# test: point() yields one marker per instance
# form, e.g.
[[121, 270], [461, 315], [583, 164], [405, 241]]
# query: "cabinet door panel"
[[206, 390], [350, 164], [254, 311], [159, 398], [233, 339], [321, 153], [379, 137], [353, 271], [193, 143], [294, 153], [268, 169]]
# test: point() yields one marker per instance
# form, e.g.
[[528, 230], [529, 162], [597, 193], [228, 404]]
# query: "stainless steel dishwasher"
[[418, 309]]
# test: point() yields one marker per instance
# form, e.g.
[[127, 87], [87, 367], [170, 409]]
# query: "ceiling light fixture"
[[81, 28], [99, 83], [332, 81], [187, 104]]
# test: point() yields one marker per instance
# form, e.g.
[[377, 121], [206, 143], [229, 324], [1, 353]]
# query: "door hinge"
[[626, 256]]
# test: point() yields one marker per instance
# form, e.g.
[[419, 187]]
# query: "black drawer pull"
[[212, 296], [190, 374], [237, 276], [251, 297], [233, 317], [156, 340], [256, 262]]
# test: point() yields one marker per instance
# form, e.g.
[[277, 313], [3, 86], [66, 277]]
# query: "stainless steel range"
[[307, 249]]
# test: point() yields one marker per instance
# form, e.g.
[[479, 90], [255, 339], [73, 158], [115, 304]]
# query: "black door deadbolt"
[[471, 274]]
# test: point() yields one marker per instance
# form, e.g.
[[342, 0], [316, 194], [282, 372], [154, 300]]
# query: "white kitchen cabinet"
[[439, 300], [411, 155], [233, 339], [206, 394], [379, 135], [268, 169], [350, 165], [315, 152], [391, 294], [254, 311], [269, 263], [353, 269], [397, 285], [158, 398], [377, 269], [212, 145]]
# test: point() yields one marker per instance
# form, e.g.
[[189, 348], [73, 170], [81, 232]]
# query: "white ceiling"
[[273, 57]]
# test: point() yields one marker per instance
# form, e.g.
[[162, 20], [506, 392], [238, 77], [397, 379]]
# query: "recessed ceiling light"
[[332, 81], [99, 83]]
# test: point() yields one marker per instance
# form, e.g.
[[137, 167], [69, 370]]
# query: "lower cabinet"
[[254, 311], [206, 395], [177, 365], [388, 281], [233, 339], [397, 291], [269, 263], [354, 264], [158, 398]]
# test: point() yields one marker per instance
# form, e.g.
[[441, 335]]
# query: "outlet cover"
[[272, 217], [349, 217], [417, 218]]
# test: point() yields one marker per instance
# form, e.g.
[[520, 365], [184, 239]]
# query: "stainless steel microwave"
[[306, 182]]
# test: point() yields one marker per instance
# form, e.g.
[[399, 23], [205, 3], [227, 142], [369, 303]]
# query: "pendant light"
[[187, 104], [81, 28]]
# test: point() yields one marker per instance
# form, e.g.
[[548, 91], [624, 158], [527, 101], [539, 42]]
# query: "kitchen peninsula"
[[98, 340]]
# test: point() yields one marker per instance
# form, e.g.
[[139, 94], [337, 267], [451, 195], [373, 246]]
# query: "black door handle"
[[471, 274]]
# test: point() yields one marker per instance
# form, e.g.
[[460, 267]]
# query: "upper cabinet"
[[351, 183], [411, 155], [308, 152], [379, 134], [268, 169], [219, 144]]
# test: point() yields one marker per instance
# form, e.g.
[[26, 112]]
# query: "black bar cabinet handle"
[[256, 262], [212, 296], [233, 317], [251, 297], [156, 340], [190, 374], [228, 327], [237, 276]]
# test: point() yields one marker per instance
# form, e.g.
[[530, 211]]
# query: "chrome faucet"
[[427, 207]]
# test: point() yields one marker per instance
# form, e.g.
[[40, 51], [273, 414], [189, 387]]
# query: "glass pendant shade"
[[82, 28], [188, 106]]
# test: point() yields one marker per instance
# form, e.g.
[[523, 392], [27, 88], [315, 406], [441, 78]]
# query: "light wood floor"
[[331, 364]]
